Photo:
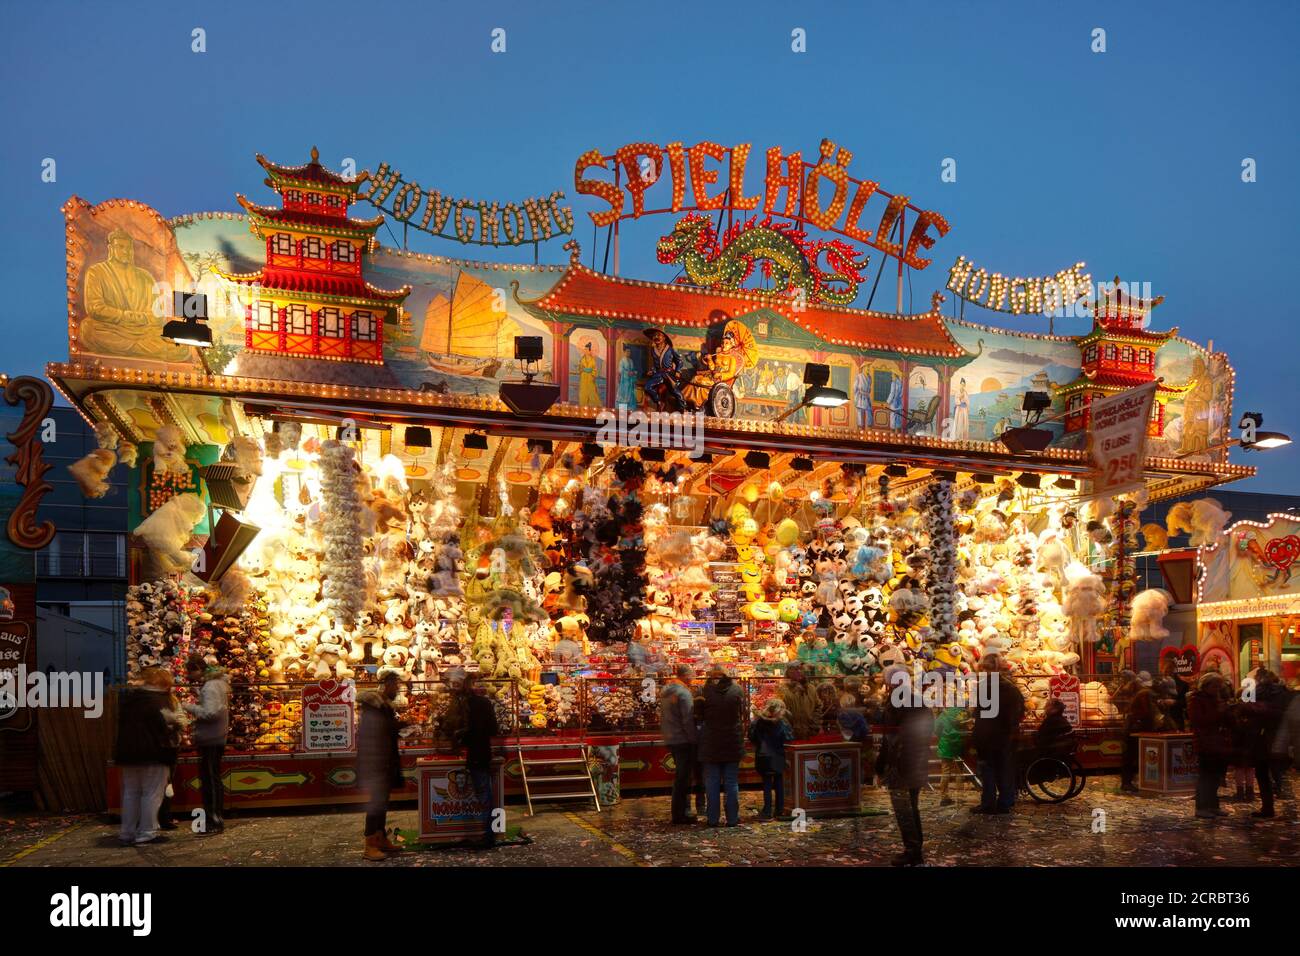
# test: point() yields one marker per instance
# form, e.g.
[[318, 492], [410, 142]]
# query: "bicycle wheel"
[[1049, 780], [1080, 780]]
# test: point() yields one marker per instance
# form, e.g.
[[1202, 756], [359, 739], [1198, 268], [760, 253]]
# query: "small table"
[[450, 811], [1166, 763], [826, 776]]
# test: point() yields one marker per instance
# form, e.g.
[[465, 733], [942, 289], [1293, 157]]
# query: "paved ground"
[[1138, 831]]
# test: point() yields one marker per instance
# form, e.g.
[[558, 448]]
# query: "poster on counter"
[[1117, 439], [1065, 688], [328, 715]]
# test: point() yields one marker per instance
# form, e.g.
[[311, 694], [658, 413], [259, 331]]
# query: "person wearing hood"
[[904, 761], [144, 750], [1263, 718], [1139, 718], [211, 724], [769, 733], [722, 744], [379, 767]]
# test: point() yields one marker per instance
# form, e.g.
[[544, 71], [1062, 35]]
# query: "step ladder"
[[961, 772], [557, 772]]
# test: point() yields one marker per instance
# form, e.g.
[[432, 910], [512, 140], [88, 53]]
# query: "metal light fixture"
[[652, 454], [758, 459], [540, 446], [818, 393], [1253, 439], [896, 471], [983, 478], [191, 327], [418, 438], [593, 450], [801, 464], [528, 397], [1026, 480], [475, 440]]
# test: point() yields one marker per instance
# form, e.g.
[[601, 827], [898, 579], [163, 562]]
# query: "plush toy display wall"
[[615, 570]]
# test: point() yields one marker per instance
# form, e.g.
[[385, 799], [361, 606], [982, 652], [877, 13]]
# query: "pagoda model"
[[1118, 354], [311, 300]]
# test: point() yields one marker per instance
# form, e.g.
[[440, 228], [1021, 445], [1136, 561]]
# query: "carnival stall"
[[347, 457]]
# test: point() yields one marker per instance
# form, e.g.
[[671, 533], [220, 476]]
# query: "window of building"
[[334, 202], [344, 251], [264, 317], [313, 248], [298, 320], [364, 327], [282, 244], [1144, 356], [331, 323], [313, 199], [1090, 353], [1126, 354], [1110, 352], [292, 195]]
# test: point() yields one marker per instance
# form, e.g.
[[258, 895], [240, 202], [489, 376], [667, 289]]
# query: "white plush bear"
[[166, 531], [169, 451], [1148, 615], [91, 472]]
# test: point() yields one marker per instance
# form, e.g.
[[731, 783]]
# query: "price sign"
[[1065, 688], [328, 709], [1117, 439]]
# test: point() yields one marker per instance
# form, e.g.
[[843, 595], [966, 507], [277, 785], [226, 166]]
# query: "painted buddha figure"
[[119, 299]]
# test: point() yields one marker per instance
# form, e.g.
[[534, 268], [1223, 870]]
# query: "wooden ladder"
[[570, 772]]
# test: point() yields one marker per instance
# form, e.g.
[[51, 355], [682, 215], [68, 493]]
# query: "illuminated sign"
[[471, 221], [822, 194], [1018, 295]]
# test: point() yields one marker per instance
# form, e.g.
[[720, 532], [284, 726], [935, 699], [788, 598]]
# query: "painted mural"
[[1254, 561], [450, 326]]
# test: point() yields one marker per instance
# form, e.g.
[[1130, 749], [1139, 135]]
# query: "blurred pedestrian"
[[1211, 727], [769, 733], [143, 752], [1139, 718], [211, 725], [1263, 717], [904, 762], [722, 744], [677, 727], [952, 727], [379, 767], [480, 726], [994, 736]]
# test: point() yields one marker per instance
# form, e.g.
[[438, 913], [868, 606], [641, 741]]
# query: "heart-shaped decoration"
[[328, 686], [313, 706], [1282, 552], [1187, 659]]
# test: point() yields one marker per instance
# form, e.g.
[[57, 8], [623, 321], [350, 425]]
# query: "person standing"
[[1263, 718], [677, 725], [1209, 722], [1139, 719], [142, 753], [211, 724], [722, 744], [379, 768], [769, 733], [905, 762], [862, 398], [479, 729], [802, 704], [994, 736]]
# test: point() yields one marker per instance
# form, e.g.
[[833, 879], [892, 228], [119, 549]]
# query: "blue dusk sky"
[[1130, 159]]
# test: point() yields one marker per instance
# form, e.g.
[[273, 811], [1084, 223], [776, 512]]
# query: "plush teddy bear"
[[169, 451], [91, 472], [1085, 599], [1148, 615], [166, 531]]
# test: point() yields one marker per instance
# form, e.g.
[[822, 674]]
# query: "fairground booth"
[[346, 457]]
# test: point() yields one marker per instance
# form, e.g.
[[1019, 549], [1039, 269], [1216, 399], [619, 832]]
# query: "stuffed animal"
[[1204, 519], [1154, 537], [169, 451], [91, 472], [1148, 615], [1085, 599], [167, 530]]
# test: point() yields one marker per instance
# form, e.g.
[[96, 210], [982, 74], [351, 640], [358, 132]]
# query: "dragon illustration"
[[789, 258]]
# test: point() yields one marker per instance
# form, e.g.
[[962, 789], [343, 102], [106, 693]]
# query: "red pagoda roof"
[[1115, 299], [310, 220], [1113, 380], [583, 291], [314, 284], [312, 172]]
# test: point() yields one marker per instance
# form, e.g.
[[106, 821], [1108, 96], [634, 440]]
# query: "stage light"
[[652, 454], [190, 328], [528, 348], [896, 471], [540, 446], [825, 397], [1066, 484], [1027, 480], [757, 459], [944, 475], [475, 440], [983, 478], [801, 464], [418, 438], [1023, 441], [592, 450]]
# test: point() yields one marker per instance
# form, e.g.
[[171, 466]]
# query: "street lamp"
[[818, 393]]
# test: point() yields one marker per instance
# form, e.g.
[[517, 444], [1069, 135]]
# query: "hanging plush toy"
[[1204, 519], [91, 472], [1148, 615], [169, 451], [167, 530], [1085, 599]]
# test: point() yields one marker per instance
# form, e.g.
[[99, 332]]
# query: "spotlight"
[[476, 440], [983, 478], [944, 475], [1027, 480], [824, 397], [1033, 405], [652, 454], [229, 538], [1024, 441], [815, 374], [852, 468], [1066, 484], [896, 471], [757, 459], [592, 450], [1264, 440], [801, 464], [229, 486], [1254, 439], [189, 329], [540, 446], [418, 438], [528, 348], [703, 458]]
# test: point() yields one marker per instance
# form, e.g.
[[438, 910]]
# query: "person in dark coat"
[[1262, 718], [677, 727], [1210, 724], [1140, 718], [994, 737], [1055, 734], [480, 726], [379, 768], [722, 744], [904, 762], [769, 733], [143, 752]]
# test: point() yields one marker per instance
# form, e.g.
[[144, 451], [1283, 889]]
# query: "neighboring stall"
[[357, 458]]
